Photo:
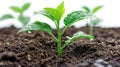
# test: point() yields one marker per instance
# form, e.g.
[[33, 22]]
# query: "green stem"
[[53, 36], [64, 30], [59, 45], [65, 45], [90, 27], [90, 30], [59, 50]]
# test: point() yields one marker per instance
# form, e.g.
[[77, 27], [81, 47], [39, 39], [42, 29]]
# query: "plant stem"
[[59, 50], [64, 30], [59, 45], [90, 27], [65, 45], [90, 30], [53, 36]]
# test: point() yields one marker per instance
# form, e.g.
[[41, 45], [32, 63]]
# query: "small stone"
[[29, 57], [7, 43]]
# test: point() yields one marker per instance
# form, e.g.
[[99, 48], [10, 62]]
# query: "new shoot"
[[55, 14], [93, 20], [21, 10]]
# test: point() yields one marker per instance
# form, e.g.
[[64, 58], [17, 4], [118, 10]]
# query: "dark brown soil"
[[37, 49]]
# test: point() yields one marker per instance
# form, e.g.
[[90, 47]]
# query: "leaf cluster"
[[93, 19], [55, 14], [23, 19]]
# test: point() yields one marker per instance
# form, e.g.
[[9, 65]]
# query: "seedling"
[[93, 20], [23, 19], [55, 14]]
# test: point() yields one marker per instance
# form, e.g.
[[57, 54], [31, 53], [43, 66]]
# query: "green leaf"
[[45, 13], [26, 6], [95, 22], [16, 9], [78, 35], [96, 9], [51, 12], [6, 16], [23, 20], [74, 17], [37, 26], [86, 9], [60, 11], [81, 34], [56, 13]]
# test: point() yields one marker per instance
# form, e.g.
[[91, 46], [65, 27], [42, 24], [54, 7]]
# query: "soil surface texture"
[[38, 49]]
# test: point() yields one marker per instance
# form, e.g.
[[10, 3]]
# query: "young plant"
[[55, 14], [23, 19], [93, 20]]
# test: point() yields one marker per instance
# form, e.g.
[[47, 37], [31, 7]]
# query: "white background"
[[110, 13]]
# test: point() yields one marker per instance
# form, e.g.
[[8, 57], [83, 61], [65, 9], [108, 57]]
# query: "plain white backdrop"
[[110, 13]]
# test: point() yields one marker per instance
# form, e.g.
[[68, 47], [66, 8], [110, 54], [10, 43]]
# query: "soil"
[[38, 49]]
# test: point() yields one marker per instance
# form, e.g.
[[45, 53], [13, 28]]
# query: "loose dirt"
[[38, 49]]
